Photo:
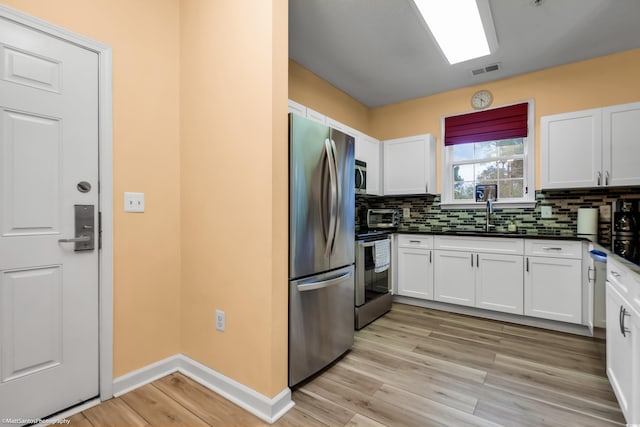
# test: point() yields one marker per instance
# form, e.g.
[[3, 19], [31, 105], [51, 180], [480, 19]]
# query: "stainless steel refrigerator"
[[321, 246]]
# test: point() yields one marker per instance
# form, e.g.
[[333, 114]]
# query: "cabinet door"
[[415, 273], [621, 127], [499, 283], [571, 149], [409, 165], [619, 351], [368, 150], [454, 277], [553, 289]]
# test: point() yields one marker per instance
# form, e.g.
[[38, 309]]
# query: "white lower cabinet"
[[483, 280], [415, 266], [623, 338], [553, 288], [499, 283], [455, 278]]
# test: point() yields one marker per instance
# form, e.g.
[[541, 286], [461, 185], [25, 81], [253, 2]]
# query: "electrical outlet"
[[406, 212], [546, 212], [133, 202], [220, 321]]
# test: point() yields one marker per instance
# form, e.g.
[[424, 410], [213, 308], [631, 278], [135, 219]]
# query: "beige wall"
[[311, 91], [146, 71], [607, 80], [199, 107], [234, 188]]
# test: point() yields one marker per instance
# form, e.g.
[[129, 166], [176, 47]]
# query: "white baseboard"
[[265, 408]]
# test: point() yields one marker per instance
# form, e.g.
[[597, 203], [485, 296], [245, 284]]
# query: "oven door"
[[370, 284]]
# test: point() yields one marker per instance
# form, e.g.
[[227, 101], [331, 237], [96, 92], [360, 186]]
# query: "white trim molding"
[[105, 165], [265, 408]]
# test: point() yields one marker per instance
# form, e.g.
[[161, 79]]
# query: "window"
[[473, 158]]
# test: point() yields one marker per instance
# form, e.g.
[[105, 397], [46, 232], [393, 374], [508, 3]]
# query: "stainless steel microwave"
[[361, 177]]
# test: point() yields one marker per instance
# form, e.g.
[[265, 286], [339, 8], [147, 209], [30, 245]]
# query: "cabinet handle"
[[471, 260], [414, 241], [527, 264], [550, 248], [615, 273], [430, 254], [599, 178], [589, 277], [477, 260], [623, 313], [606, 178]]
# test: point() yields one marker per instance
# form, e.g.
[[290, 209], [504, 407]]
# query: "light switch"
[[546, 212], [406, 212], [133, 202]]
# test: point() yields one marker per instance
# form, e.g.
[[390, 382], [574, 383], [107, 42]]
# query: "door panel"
[[321, 321], [48, 291], [30, 200], [308, 197], [343, 248], [454, 277], [500, 283]]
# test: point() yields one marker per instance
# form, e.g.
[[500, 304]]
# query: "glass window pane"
[[510, 147], [486, 172], [511, 168], [462, 152], [463, 173], [486, 150], [463, 190], [511, 189]]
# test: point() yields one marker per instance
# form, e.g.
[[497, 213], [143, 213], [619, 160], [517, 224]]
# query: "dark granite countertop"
[[473, 233]]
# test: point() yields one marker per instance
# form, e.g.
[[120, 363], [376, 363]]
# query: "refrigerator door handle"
[[324, 283], [338, 193], [332, 207]]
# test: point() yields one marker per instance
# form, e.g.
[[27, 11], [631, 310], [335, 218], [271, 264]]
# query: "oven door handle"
[[323, 284]]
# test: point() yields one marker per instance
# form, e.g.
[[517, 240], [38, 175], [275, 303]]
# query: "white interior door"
[[48, 289]]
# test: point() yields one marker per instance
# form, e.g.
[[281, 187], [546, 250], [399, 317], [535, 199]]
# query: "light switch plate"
[[546, 212], [406, 212], [133, 202]]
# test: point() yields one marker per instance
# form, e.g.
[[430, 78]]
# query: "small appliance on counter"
[[373, 266], [625, 227], [383, 218]]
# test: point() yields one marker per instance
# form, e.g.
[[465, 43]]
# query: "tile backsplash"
[[427, 215]]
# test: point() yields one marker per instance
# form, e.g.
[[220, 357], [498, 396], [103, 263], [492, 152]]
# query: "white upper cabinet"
[[591, 148], [621, 144], [369, 151], [409, 165]]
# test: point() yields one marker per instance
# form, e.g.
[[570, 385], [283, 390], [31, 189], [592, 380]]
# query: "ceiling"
[[381, 52]]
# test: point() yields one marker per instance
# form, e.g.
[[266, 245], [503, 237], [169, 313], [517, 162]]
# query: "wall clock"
[[481, 99]]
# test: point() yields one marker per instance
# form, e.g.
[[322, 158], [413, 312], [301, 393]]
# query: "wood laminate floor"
[[412, 367]]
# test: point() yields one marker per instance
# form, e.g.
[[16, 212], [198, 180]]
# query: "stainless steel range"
[[373, 266]]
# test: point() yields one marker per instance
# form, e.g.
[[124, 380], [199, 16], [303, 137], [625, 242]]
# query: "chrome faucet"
[[489, 212]]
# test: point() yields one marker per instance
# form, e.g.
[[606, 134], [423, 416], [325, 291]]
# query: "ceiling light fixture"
[[462, 28]]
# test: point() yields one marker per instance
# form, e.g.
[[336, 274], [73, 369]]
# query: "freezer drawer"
[[321, 320]]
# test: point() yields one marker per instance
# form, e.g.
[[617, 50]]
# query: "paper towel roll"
[[588, 221]]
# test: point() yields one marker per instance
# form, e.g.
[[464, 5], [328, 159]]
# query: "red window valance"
[[499, 123]]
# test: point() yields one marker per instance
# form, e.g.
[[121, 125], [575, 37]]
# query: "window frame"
[[446, 172]]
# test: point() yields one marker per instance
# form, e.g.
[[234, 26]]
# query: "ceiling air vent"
[[487, 69]]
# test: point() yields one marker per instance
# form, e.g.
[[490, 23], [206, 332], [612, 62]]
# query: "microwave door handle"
[[359, 172], [332, 185]]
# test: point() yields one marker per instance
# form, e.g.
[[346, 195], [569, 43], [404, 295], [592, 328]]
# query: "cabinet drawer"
[[495, 245], [626, 282], [553, 248], [415, 241]]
